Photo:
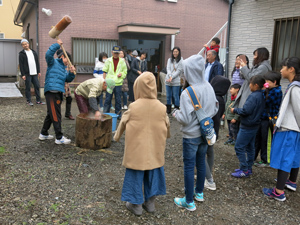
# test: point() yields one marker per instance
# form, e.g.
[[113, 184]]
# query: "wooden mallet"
[[57, 29]]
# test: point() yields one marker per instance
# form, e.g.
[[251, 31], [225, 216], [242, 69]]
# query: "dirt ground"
[[45, 183]]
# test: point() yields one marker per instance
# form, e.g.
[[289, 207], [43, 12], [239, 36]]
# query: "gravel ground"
[[43, 183]]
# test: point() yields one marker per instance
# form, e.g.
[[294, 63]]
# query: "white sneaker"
[[125, 107], [45, 137], [63, 140], [173, 106], [210, 186]]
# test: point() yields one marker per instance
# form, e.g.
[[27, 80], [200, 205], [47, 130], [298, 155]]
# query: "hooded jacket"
[[193, 68], [147, 127], [220, 85], [261, 69], [56, 74]]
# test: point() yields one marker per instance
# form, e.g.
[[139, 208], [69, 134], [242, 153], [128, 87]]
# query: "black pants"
[[68, 106], [53, 101], [130, 91], [261, 141], [35, 81]]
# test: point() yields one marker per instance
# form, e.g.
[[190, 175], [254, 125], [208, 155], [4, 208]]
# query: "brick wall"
[[252, 25], [198, 20]]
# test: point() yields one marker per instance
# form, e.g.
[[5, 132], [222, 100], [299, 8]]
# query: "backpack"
[[206, 123]]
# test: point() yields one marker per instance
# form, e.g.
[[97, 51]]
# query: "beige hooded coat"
[[147, 127]]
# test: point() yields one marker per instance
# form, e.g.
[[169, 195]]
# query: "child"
[[271, 110], [214, 45], [147, 128], [56, 77], [98, 72], [250, 116], [285, 153], [232, 118], [194, 147]]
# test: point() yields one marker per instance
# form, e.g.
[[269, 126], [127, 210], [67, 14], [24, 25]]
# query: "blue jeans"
[[153, 180], [107, 104], [245, 147], [194, 151], [124, 96], [172, 91]]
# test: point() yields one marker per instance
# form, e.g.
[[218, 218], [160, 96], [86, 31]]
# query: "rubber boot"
[[169, 108], [136, 209], [149, 205]]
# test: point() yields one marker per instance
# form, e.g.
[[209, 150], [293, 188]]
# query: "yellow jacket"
[[109, 70]]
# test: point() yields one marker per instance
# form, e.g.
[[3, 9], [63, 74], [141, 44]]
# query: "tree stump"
[[91, 133]]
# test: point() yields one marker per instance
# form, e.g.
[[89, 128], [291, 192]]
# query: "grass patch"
[[2, 150]]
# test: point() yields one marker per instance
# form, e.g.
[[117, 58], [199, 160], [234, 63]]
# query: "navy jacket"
[[57, 74], [252, 110], [216, 69]]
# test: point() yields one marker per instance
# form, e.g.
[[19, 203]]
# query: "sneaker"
[[181, 202], [198, 196], [112, 108], [271, 193], [289, 185], [262, 164], [101, 108], [125, 107], [249, 171], [63, 140], [210, 186], [232, 143], [40, 103], [70, 117], [240, 174], [45, 137], [228, 141], [30, 103], [173, 106]]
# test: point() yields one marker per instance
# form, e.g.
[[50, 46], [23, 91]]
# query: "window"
[[286, 40], [85, 50], [1, 35]]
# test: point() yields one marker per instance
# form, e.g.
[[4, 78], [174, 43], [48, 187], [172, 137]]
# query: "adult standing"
[[172, 80], [30, 71], [138, 66], [212, 67], [125, 81], [261, 66], [115, 69]]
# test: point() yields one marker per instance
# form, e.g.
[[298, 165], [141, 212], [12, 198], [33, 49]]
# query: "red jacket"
[[215, 48]]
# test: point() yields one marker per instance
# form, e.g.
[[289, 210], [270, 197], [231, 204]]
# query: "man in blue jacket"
[[56, 76], [212, 67]]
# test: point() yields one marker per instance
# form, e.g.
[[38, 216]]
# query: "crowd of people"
[[260, 118]]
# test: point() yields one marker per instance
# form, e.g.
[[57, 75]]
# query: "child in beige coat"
[[147, 128]]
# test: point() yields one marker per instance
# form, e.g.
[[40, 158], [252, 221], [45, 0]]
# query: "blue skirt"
[[153, 180], [285, 150]]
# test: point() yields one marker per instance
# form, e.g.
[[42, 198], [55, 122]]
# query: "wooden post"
[[93, 134]]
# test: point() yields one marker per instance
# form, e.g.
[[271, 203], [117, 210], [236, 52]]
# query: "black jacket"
[[135, 67], [23, 62]]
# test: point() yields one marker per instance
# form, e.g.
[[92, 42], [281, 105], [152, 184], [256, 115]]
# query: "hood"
[[267, 64], [194, 68], [220, 85], [145, 86]]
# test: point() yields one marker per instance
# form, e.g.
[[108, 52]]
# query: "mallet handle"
[[66, 55]]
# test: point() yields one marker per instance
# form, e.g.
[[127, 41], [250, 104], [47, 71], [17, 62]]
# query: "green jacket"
[[228, 114], [109, 70]]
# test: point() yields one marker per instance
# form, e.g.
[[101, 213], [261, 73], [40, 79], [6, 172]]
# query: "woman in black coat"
[[138, 66]]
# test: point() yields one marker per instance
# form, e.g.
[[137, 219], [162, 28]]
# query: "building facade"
[[274, 24], [7, 28], [143, 25]]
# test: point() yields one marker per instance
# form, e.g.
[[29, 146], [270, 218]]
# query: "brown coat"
[[147, 127]]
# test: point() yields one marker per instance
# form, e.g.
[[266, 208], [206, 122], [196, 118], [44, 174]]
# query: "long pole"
[[228, 37]]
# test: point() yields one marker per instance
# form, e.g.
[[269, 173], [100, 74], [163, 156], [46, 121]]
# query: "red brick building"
[[144, 25]]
